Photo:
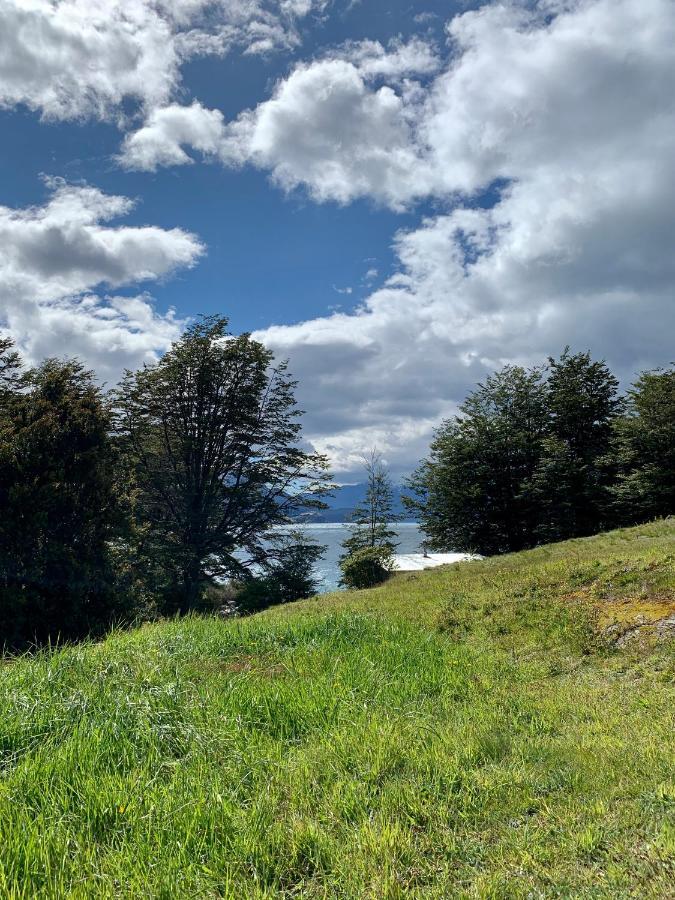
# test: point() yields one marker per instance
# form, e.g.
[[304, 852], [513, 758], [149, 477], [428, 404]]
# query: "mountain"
[[344, 501]]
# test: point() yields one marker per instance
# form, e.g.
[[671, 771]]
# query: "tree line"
[[146, 498], [548, 453]]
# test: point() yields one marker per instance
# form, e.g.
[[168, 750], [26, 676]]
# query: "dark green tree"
[[370, 521], [474, 490], [291, 576], [213, 434], [10, 367], [645, 450], [60, 504], [571, 483]]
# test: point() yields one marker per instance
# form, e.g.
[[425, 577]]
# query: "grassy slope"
[[464, 732]]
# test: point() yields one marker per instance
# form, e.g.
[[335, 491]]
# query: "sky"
[[398, 197]]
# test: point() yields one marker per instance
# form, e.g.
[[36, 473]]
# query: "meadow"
[[493, 729]]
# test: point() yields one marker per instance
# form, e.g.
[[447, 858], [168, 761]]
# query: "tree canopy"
[[60, 505], [213, 434], [546, 454]]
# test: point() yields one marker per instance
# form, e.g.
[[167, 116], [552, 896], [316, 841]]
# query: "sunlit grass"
[[466, 732]]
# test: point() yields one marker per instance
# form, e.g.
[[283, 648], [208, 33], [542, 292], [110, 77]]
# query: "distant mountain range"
[[344, 501]]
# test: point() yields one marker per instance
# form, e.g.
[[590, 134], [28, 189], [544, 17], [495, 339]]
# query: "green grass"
[[470, 732]]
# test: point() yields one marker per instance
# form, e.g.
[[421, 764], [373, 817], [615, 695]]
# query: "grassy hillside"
[[499, 729]]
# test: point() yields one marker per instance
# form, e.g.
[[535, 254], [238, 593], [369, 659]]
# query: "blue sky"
[[398, 199], [272, 257]]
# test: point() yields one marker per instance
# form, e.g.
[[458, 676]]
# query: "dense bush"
[[366, 568]]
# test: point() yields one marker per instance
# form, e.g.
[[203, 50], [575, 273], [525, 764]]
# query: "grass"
[[473, 731]]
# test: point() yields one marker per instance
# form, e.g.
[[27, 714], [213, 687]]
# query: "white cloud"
[[569, 121], [341, 125], [70, 59], [167, 131], [400, 59], [546, 143], [334, 128], [55, 256]]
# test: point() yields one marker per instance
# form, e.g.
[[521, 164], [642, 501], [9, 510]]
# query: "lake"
[[331, 535]]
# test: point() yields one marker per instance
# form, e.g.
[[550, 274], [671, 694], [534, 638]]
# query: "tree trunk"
[[192, 585]]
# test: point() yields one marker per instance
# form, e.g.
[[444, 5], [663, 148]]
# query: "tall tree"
[[571, 484], [212, 430], [372, 517], [60, 505], [10, 366], [645, 449], [473, 492]]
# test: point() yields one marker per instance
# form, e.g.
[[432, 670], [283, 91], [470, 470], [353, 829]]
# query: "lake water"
[[409, 539]]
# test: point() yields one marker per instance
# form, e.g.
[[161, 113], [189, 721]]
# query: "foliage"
[[371, 519], [473, 491], [366, 567], [60, 505], [212, 434], [10, 367], [345, 747], [525, 461], [645, 449], [572, 478], [290, 577]]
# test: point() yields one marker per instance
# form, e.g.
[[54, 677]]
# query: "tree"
[[571, 483], [60, 504], [372, 517], [644, 441], [474, 491], [290, 577], [10, 367], [212, 432]]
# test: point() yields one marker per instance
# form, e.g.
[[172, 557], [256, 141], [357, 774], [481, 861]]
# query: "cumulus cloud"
[[70, 59], [342, 126], [56, 255], [559, 119], [167, 131]]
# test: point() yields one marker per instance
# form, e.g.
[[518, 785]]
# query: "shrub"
[[367, 567], [290, 577]]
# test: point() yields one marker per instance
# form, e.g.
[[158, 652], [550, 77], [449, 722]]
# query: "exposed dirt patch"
[[635, 620], [628, 620]]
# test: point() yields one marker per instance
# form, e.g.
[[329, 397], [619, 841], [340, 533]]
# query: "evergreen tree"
[[645, 449], [474, 491], [60, 505], [212, 433], [372, 517], [10, 367], [571, 483]]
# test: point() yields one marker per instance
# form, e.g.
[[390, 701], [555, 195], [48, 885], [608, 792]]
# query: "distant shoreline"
[[341, 524]]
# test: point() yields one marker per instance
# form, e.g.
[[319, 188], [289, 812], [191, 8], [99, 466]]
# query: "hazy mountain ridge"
[[344, 501]]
